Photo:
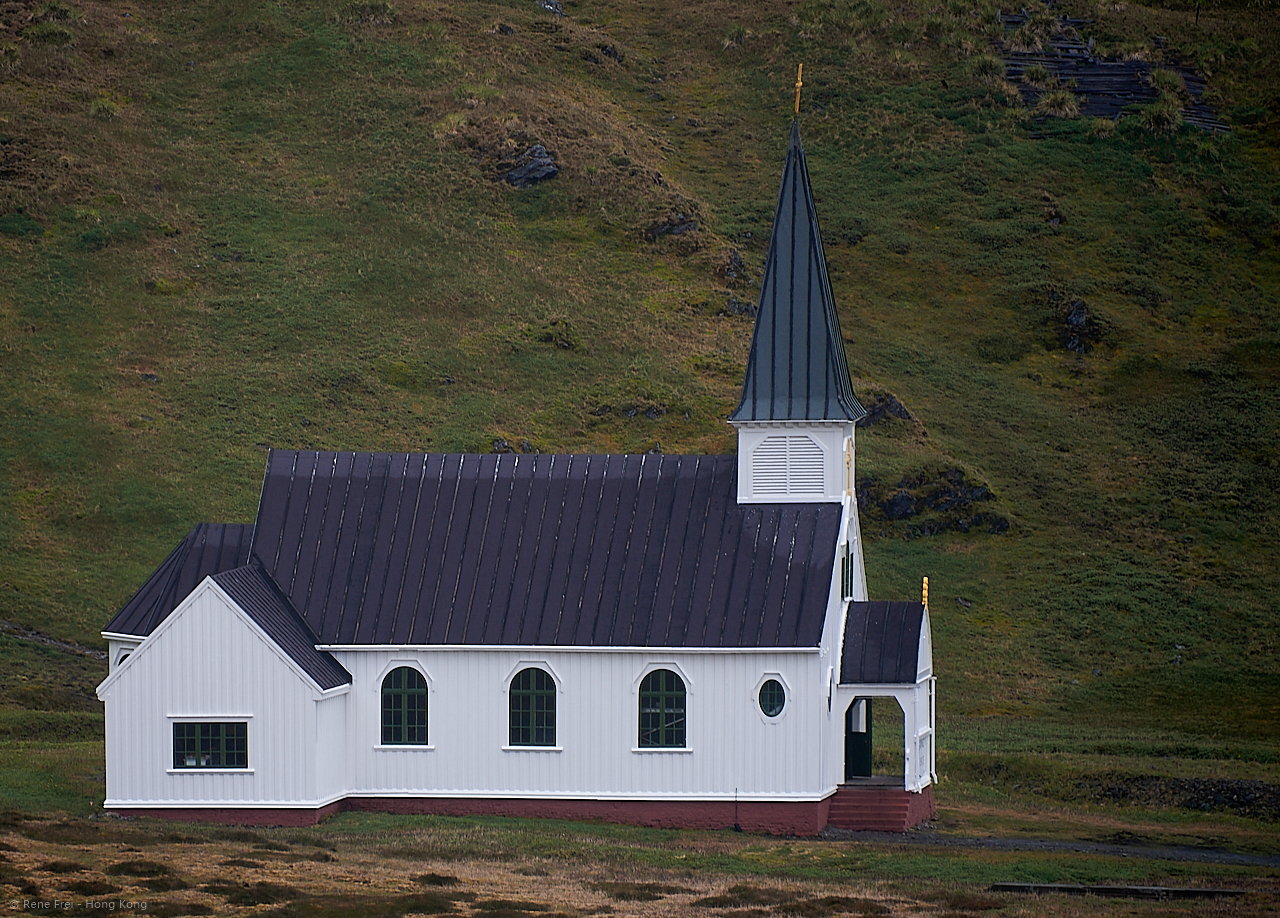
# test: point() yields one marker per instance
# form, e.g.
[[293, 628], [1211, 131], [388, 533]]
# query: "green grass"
[[289, 233]]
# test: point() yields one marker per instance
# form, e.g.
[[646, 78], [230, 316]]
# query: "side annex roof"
[[882, 643], [258, 596], [207, 549]]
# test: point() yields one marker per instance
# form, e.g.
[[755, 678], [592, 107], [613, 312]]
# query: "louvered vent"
[[787, 465]]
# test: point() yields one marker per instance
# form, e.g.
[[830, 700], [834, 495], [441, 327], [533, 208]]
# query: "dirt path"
[[1158, 853]]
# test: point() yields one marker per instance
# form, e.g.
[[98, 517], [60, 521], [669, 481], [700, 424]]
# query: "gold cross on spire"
[[799, 83]]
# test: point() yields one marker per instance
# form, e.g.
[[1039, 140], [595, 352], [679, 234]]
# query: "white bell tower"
[[796, 417]]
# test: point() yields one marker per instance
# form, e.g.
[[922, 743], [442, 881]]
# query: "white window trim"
[[521, 666], [377, 720], [787, 698], [534, 748], [246, 719], [654, 666]]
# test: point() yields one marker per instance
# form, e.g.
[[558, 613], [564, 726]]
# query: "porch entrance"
[[863, 756]]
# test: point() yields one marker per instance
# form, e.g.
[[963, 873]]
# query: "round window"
[[772, 698]]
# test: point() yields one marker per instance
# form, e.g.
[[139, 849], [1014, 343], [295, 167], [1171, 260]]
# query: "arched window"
[[533, 708], [662, 718], [404, 708]]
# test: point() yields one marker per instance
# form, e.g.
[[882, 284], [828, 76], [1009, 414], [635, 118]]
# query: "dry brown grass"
[[200, 870]]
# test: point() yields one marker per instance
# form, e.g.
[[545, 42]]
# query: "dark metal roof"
[[596, 551], [257, 594], [797, 369], [881, 642], [207, 549]]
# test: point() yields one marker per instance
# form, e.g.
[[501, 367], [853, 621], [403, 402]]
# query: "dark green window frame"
[[773, 698], [533, 708], [846, 572], [662, 711], [211, 745], [404, 708]]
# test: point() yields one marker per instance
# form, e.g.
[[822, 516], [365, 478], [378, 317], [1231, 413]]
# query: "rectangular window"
[[211, 745], [846, 573]]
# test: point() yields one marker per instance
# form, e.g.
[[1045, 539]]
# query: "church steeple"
[[796, 370], [795, 419]]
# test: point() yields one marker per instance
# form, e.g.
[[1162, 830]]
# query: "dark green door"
[[857, 739]]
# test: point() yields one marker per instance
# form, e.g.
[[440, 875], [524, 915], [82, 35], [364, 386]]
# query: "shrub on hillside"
[[987, 68], [105, 106], [1059, 104], [1035, 34], [1168, 82], [1163, 116], [1039, 76], [373, 12], [734, 37], [54, 11], [49, 33]]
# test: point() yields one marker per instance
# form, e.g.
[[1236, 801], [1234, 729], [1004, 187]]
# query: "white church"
[[659, 640]]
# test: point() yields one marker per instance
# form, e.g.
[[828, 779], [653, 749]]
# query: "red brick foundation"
[[885, 809], [240, 816], [781, 818]]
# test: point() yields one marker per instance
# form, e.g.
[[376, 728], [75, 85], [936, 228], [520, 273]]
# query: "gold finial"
[[925, 599], [799, 83]]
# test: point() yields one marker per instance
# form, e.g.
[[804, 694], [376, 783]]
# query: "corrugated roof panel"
[[623, 481], [411, 581], [312, 489], [342, 525], [525, 570], [605, 486], [696, 606], [467, 618], [676, 547], [207, 549], [490, 514], [881, 642], [506, 550], [568, 499], [774, 586], [638, 575], [262, 600], [392, 547], [583, 550], [556, 550], [541, 599], [369, 590]]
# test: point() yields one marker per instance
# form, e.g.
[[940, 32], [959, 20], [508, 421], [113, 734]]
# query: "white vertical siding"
[[332, 748], [730, 744], [209, 662]]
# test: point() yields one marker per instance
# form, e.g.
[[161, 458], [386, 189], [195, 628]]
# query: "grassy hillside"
[[230, 226]]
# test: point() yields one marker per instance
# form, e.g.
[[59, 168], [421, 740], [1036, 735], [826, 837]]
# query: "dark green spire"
[[797, 370]]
